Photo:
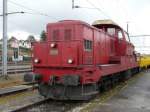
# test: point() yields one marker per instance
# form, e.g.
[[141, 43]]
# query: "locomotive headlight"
[[70, 61], [53, 45], [36, 60]]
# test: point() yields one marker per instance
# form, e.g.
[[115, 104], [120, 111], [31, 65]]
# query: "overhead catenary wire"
[[100, 10], [143, 46], [139, 35], [22, 12], [36, 12]]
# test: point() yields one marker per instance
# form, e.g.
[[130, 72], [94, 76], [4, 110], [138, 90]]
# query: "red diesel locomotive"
[[77, 59]]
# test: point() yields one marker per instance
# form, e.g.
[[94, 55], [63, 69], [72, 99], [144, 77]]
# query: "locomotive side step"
[[90, 93]]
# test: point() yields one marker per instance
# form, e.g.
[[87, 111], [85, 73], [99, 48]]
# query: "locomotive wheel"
[[43, 89], [113, 82], [105, 84]]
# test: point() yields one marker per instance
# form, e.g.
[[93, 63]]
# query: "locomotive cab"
[[118, 42]]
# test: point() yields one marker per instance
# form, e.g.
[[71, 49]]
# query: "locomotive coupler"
[[52, 80]]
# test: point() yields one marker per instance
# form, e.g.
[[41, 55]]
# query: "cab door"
[[87, 52], [121, 43], [88, 37]]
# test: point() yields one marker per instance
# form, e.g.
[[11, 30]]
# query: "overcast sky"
[[41, 12]]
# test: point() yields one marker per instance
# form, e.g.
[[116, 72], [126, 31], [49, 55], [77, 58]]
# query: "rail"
[[17, 70]]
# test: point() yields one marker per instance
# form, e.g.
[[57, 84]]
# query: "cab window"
[[87, 45], [120, 36], [111, 31]]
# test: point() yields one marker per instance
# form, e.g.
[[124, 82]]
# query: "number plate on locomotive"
[[54, 52]]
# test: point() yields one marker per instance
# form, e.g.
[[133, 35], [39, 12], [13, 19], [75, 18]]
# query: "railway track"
[[17, 70], [48, 105], [15, 89], [38, 101], [10, 94], [30, 101], [19, 98], [33, 102]]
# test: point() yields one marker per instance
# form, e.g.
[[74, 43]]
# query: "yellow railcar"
[[144, 61]]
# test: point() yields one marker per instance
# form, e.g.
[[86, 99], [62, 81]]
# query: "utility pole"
[[128, 27], [128, 31], [72, 4], [4, 50]]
